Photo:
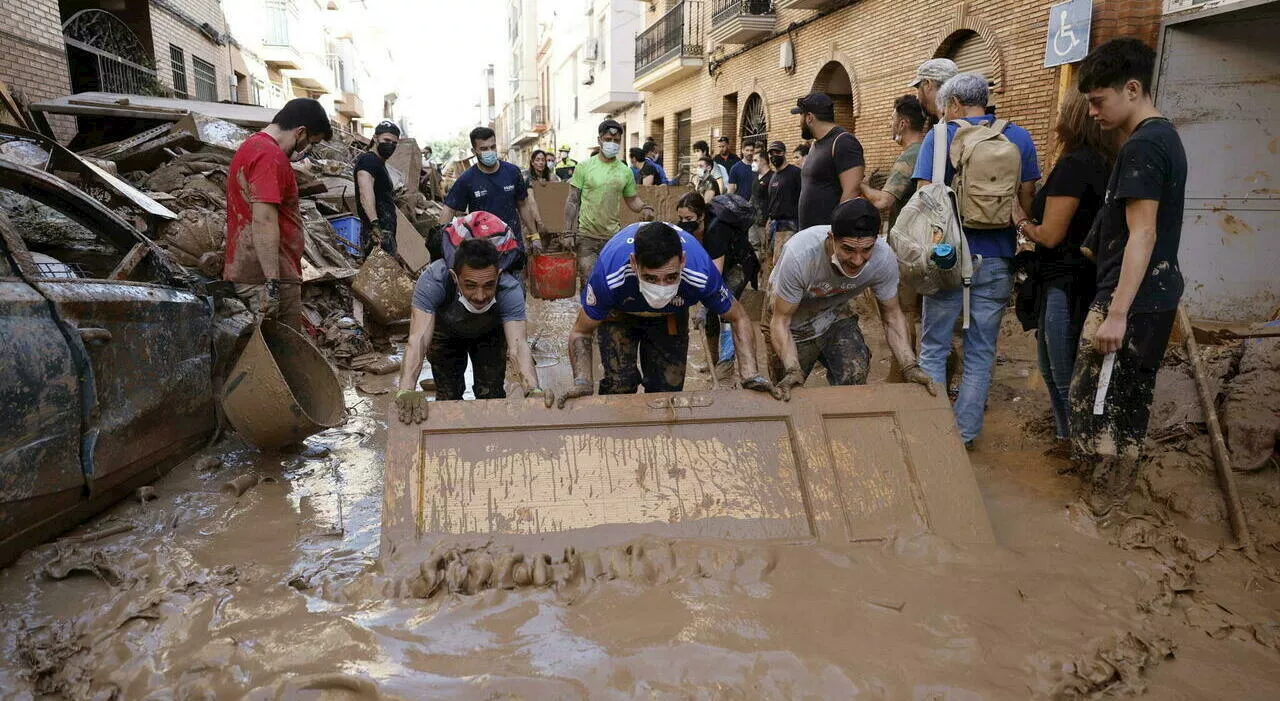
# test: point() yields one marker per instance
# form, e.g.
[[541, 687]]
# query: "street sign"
[[1068, 39]]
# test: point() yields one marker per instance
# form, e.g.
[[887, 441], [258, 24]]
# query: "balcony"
[[529, 121], [671, 48], [741, 21], [278, 51], [350, 105], [804, 4], [311, 73]]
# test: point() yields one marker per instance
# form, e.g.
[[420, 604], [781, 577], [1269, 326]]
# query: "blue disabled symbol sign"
[[1068, 40]]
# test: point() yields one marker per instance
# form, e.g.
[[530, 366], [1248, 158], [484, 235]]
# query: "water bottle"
[[726, 343], [944, 256]]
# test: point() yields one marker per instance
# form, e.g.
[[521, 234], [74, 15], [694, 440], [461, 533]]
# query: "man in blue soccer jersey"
[[637, 302]]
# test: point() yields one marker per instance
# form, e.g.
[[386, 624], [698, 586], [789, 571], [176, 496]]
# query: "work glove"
[[760, 384], [568, 240], [270, 300], [412, 405], [548, 397], [376, 234], [914, 373], [580, 389], [646, 213], [535, 246], [794, 377]]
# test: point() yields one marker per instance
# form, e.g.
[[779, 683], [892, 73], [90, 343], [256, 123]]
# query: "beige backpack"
[[988, 170]]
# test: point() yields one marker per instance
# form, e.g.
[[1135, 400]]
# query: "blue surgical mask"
[[610, 149], [488, 158]]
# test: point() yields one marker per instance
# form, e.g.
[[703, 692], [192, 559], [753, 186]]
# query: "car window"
[[61, 247]]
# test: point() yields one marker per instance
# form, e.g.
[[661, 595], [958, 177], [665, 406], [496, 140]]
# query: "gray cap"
[[939, 69]]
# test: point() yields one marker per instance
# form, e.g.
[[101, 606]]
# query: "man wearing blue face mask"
[[495, 186], [809, 318]]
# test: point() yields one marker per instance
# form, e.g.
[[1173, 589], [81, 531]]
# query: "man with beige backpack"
[[989, 163]]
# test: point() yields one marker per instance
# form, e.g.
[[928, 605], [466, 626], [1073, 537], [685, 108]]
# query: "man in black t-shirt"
[[782, 204], [375, 195], [725, 156], [833, 171], [1135, 241]]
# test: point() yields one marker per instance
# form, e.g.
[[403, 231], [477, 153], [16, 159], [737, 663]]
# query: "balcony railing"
[[725, 10], [281, 14], [677, 34]]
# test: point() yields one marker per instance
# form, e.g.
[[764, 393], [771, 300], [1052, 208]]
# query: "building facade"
[[735, 68]]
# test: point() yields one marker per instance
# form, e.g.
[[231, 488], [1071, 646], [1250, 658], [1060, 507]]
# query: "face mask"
[[488, 158], [466, 304], [777, 161], [755, 166], [658, 296], [690, 226], [610, 149], [836, 262], [385, 149]]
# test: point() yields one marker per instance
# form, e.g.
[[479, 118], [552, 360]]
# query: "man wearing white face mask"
[[809, 318], [495, 186], [599, 186], [466, 306], [637, 303]]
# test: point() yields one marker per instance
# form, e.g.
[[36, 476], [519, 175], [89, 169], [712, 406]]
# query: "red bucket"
[[553, 275]]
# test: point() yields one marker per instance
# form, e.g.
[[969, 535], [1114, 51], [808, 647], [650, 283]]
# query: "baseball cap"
[[609, 126], [777, 146], [856, 218], [939, 69], [386, 127], [722, 140], [815, 103]]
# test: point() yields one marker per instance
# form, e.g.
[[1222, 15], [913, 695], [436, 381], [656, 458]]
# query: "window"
[[259, 89], [206, 79], [179, 63]]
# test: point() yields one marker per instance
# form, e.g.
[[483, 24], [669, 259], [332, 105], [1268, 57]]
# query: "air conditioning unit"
[[591, 50]]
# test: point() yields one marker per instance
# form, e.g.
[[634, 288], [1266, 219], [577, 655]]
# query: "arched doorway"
[[834, 80], [968, 49], [103, 54], [755, 125]]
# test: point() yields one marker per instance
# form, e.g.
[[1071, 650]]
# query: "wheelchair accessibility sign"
[[1068, 40]]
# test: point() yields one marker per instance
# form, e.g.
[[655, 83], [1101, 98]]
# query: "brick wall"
[[879, 43], [171, 22], [33, 61]]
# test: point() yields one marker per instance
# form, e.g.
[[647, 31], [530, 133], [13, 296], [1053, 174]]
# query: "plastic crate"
[[348, 229]]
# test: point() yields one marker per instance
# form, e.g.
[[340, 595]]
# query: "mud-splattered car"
[[106, 358]]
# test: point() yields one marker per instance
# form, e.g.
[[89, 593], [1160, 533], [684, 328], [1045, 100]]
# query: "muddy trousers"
[[448, 357], [659, 343], [1109, 445], [290, 301], [587, 250], [841, 349]]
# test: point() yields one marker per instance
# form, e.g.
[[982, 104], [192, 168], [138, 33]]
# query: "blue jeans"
[[1057, 343], [988, 297]]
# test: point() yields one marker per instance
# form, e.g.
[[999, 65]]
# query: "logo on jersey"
[[677, 301], [591, 296]]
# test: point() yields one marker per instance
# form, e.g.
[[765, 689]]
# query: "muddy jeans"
[[448, 357], [290, 301], [587, 250], [1109, 445], [661, 343], [841, 349]]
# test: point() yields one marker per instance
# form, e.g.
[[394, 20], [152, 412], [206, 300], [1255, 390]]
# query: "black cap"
[[855, 218], [386, 127], [722, 140], [777, 146], [815, 103], [607, 126]]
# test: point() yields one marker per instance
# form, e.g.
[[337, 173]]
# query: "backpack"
[[733, 210], [479, 225], [988, 169], [929, 218]]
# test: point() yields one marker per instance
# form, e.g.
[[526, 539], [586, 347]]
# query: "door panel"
[[149, 348], [40, 416]]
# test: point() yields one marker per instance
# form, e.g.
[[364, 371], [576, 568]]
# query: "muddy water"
[[275, 595]]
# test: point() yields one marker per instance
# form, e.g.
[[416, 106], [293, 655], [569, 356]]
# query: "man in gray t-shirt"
[[469, 311], [809, 318]]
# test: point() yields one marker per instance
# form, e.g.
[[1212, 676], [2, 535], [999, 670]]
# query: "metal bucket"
[[281, 390]]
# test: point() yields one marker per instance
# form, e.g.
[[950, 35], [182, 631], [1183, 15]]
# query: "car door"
[[40, 410], [147, 341]]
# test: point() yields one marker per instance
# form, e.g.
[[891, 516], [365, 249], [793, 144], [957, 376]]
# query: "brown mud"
[[277, 594]]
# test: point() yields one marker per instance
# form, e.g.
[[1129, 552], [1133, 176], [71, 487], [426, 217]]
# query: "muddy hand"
[[793, 378], [760, 384], [413, 406], [548, 397], [914, 373], [580, 389], [270, 301]]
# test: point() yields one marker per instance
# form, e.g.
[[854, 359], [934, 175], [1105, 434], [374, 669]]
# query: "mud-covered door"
[[40, 414], [149, 351]]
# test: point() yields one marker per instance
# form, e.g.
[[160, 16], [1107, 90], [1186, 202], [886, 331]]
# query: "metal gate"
[[116, 59], [754, 123]]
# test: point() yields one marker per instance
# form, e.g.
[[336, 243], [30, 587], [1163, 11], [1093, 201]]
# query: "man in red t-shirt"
[[265, 237]]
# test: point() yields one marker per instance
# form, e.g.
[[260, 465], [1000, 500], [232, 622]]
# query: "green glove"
[[548, 397], [581, 388], [914, 373], [412, 405], [793, 378]]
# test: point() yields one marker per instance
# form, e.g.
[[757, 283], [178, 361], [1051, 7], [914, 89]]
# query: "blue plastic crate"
[[348, 229]]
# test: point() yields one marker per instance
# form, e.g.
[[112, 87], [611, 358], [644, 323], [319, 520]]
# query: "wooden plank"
[[410, 245], [130, 262], [834, 464], [408, 160], [551, 198]]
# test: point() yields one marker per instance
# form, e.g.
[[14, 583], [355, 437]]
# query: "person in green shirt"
[[599, 186]]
